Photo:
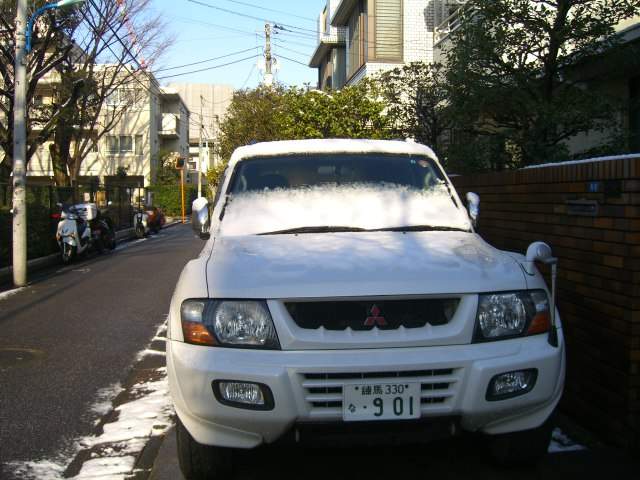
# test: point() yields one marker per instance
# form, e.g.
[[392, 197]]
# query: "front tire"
[[199, 462], [67, 253], [140, 230], [521, 448]]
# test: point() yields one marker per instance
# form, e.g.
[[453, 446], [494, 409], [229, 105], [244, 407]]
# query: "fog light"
[[254, 396], [511, 384]]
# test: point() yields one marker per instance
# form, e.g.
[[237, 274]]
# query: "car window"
[[299, 171]]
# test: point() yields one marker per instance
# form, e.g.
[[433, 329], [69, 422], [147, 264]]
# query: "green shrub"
[[167, 197], [40, 232]]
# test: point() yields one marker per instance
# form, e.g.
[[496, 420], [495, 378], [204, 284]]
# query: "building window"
[[112, 144], [125, 97], [124, 144], [388, 30], [138, 144], [357, 37]]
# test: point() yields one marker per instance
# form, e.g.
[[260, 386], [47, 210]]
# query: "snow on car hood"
[[358, 264], [359, 206]]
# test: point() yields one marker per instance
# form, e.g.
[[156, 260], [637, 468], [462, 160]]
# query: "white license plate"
[[381, 401]]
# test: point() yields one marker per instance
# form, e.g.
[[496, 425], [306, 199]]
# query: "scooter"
[[141, 224], [73, 234], [103, 232]]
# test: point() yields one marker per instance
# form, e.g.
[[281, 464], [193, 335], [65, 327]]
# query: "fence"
[[42, 203], [590, 214]]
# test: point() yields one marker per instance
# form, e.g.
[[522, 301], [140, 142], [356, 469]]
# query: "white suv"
[[343, 294]]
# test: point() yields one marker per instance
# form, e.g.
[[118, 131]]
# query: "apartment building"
[[211, 101], [359, 38], [154, 121], [329, 57]]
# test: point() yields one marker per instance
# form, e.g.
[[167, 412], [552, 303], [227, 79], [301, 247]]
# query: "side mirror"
[[539, 252], [200, 219], [473, 202]]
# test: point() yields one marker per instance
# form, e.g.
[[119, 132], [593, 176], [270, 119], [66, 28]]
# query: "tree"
[[103, 83], [250, 118], [167, 173], [52, 45], [352, 112], [279, 113], [86, 53], [417, 102], [510, 76]]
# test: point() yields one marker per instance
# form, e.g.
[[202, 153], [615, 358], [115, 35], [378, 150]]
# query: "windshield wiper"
[[322, 229], [421, 228]]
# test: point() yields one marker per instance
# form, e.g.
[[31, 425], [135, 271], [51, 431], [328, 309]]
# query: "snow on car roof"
[[333, 145]]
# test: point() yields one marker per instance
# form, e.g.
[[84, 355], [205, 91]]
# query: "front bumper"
[[454, 384]]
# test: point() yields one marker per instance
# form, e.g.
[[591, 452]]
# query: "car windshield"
[[297, 171], [325, 193]]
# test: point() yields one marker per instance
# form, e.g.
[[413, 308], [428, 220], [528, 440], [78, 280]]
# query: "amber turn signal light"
[[197, 334], [539, 324]]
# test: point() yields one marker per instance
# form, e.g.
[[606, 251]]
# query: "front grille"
[[323, 391], [366, 315]]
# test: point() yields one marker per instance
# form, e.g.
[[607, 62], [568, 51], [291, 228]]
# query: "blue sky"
[[202, 33]]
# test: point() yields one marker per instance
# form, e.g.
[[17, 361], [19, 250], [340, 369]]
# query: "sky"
[[203, 33]]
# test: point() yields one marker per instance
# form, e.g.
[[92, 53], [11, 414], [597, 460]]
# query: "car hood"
[[358, 264]]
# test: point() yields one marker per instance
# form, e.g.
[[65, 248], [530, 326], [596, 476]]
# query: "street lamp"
[[40, 11], [23, 33]]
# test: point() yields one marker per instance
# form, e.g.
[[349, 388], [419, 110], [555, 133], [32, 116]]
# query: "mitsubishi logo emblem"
[[375, 318]]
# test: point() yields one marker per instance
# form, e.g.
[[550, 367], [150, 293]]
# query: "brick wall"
[[590, 214]]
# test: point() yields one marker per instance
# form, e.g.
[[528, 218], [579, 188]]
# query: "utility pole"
[[23, 40], [200, 151], [268, 75], [20, 150]]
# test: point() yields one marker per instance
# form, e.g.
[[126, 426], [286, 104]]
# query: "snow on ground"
[[560, 442], [104, 399], [114, 451], [360, 206], [10, 293]]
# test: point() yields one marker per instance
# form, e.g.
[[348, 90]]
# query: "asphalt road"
[[77, 330]]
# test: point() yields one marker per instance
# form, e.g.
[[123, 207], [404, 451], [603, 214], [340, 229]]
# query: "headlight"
[[512, 314], [231, 323]]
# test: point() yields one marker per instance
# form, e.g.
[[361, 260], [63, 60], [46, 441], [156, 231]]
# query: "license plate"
[[381, 401]]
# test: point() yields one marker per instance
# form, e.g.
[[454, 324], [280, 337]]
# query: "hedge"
[[40, 233], [167, 197]]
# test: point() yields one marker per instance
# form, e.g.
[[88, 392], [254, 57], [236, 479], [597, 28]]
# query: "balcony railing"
[[452, 22], [170, 126], [335, 36]]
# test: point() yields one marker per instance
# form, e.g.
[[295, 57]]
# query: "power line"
[[292, 50], [252, 17], [209, 24], [272, 10], [248, 77], [204, 61], [95, 30], [293, 60], [209, 68], [126, 48]]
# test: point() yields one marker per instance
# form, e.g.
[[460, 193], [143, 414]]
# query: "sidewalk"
[[455, 458], [37, 264]]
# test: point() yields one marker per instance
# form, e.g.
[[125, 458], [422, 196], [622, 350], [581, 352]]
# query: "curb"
[[37, 264]]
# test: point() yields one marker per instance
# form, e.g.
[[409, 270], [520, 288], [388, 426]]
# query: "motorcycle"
[[148, 220], [156, 219], [141, 224], [73, 234], [81, 227]]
